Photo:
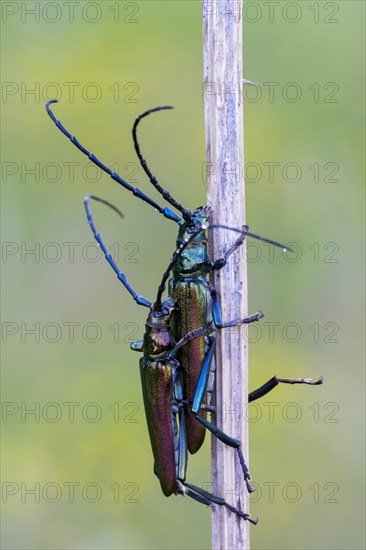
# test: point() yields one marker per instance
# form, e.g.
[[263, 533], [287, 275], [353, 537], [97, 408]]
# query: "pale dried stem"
[[223, 102]]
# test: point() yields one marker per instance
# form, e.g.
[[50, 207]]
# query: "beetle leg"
[[137, 346], [221, 262], [216, 314], [203, 378], [209, 408], [196, 333], [273, 382], [197, 404], [250, 83], [204, 497], [182, 460], [231, 442]]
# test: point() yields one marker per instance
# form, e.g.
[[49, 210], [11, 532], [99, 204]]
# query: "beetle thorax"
[[194, 258]]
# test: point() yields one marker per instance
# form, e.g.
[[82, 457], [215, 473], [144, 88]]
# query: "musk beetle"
[[163, 384], [196, 302]]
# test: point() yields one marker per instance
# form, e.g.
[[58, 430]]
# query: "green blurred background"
[[91, 469]]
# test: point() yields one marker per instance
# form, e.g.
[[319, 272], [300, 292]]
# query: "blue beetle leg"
[[231, 442], [263, 390], [197, 404], [216, 314], [221, 262], [250, 83], [209, 408], [208, 498], [273, 382], [308, 381], [196, 333], [241, 514], [203, 378], [140, 300], [137, 346], [182, 448], [201, 383], [251, 319], [181, 490]]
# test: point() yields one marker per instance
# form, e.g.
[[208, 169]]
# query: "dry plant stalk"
[[223, 102]]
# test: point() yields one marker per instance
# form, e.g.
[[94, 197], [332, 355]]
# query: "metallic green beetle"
[[195, 302], [163, 385]]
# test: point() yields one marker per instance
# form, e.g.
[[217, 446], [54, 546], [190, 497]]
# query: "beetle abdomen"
[[156, 381]]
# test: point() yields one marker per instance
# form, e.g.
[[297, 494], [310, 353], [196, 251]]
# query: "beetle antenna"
[[175, 256], [187, 215], [284, 247], [134, 190], [184, 245], [140, 300], [109, 204]]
